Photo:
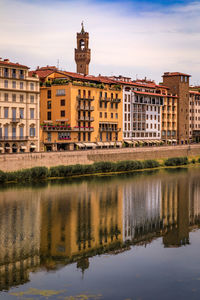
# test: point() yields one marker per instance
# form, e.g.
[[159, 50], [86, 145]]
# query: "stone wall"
[[11, 162]]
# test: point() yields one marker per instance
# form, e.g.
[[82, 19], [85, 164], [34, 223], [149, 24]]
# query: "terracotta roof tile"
[[8, 63], [175, 74]]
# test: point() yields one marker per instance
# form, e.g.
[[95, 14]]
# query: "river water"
[[128, 237]]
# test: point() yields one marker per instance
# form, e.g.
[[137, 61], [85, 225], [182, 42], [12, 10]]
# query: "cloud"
[[124, 39]]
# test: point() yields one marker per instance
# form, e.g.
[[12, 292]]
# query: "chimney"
[[6, 60]]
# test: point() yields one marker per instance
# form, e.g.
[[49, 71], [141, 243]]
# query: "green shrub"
[[37, 173], [199, 160], [2, 177], [193, 161], [104, 166], [176, 161], [77, 169], [151, 164]]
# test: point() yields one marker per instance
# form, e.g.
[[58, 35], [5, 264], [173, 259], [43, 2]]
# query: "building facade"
[[79, 112], [19, 109], [178, 84], [194, 116]]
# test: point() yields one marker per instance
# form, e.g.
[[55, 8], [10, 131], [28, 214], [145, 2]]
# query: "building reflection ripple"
[[66, 223]]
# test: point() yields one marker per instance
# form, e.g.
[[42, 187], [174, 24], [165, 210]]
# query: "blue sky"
[[132, 38]]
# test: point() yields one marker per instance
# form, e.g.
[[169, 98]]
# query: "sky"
[[131, 38]]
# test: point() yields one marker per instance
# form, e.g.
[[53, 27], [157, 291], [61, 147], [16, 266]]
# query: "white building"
[[19, 109]]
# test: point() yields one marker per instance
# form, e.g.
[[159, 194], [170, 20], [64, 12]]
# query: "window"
[[100, 104], [6, 131], [5, 83], [31, 113], [105, 114], [60, 92], [116, 115], [111, 115], [21, 74], [32, 98], [21, 132], [111, 105], [14, 84], [32, 86], [5, 72], [32, 131], [21, 85], [48, 104], [6, 97], [5, 112], [62, 102], [21, 112], [14, 113], [105, 105], [13, 97], [14, 131], [21, 98], [116, 105], [13, 73], [49, 94], [62, 113], [100, 114]]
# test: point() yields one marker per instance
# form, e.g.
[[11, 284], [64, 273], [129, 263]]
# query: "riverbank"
[[15, 162], [58, 172]]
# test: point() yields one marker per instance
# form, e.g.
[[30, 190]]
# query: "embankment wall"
[[12, 162]]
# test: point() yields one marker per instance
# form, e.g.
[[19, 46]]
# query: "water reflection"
[[67, 223]]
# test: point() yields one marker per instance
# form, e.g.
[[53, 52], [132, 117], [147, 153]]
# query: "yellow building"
[[169, 119], [79, 111], [91, 223]]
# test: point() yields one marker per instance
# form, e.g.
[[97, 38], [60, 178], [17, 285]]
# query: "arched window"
[[82, 44]]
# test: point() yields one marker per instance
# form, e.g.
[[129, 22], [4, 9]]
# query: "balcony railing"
[[104, 99], [15, 120], [13, 138], [85, 107], [115, 100], [109, 129], [57, 128], [85, 98], [87, 129], [86, 118]]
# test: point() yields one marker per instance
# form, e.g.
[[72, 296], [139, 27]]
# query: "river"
[[129, 237]]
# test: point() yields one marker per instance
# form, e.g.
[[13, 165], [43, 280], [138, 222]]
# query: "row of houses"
[[52, 110]]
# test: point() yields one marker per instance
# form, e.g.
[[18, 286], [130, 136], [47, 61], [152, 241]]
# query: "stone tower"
[[178, 83], [82, 52]]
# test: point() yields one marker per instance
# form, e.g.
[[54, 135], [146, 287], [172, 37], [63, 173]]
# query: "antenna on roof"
[[58, 64]]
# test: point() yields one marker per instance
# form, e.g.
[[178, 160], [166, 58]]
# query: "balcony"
[[85, 107], [109, 129], [105, 99], [56, 128], [85, 98], [85, 118], [115, 100], [15, 120], [87, 129], [13, 138]]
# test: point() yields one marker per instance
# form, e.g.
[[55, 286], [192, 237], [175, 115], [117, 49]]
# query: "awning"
[[89, 144], [14, 147], [7, 148], [129, 142], [1, 148], [32, 146], [174, 141], [100, 144], [118, 143], [80, 145], [106, 144], [23, 147], [112, 144]]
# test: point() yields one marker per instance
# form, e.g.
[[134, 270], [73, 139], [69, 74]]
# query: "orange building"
[[78, 111]]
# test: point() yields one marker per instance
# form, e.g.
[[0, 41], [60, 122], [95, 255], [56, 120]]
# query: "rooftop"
[[6, 62]]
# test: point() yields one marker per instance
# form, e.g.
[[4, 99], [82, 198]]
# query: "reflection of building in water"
[[178, 235], [142, 205], [156, 207], [194, 201], [73, 226], [19, 236]]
